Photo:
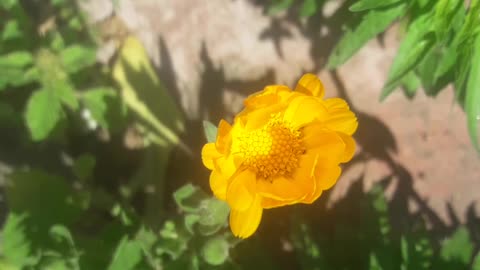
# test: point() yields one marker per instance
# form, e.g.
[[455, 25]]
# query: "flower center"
[[272, 150]]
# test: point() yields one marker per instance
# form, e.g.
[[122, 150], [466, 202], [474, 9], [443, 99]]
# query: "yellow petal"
[[327, 177], [310, 84], [241, 190], [258, 118], [268, 203], [244, 223], [218, 184], [223, 136], [323, 142], [340, 117], [293, 188], [270, 95], [280, 188], [304, 110], [349, 147], [209, 154]]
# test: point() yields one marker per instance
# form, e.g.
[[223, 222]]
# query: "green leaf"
[[173, 242], [59, 207], [215, 251], [278, 5], [413, 49], [99, 101], [18, 59], [213, 216], [54, 78], [213, 212], [373, 23], [83, 166], [362, 5], [145, 95], [476, 262], [472, 99], [42, 114], [427, 68], [16, 245], [11, 30], [190, 221], [128, 255], [77, 57], [374, 264], [15, 69], [458, 248], [465, 42], [410, 84], [8, 4], [188, 198], [210, 131], [309, 8], [444, 14]]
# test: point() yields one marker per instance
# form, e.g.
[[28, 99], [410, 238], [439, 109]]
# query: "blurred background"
[[102, 110]]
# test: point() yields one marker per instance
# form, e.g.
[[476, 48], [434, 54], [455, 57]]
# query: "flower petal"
[[290, 189], [323, 142], [241, 190], [310, 84], [280, 188], [325, 178], [341, 118], [209, 154], [349, 147], [218, 184], [223, 136], [244, 223], [303, 110]]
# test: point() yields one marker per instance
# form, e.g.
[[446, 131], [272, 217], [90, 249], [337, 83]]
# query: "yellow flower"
[[284, 148]]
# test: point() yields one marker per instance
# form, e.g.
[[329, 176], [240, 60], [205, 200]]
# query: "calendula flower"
[[284, 148]]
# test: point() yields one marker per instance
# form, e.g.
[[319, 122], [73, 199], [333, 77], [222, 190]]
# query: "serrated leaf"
[[99, 102], [210, 131], [16, 245], [458, 248], [77, 57], [145, 95], [83, 166], [128, 255], [58, 207], [14, 68], [373, 23], [413, 49], [43, 113], [362, 5], [472, 99], [309, 8], [278, 5], [215, 251]]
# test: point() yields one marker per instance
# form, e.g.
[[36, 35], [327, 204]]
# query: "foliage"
[[66, 212], [438, 48]]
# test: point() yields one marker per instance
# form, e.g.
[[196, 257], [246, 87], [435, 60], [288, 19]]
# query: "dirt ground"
[[210, 54]]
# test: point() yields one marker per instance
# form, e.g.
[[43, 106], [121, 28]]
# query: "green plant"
[[440, 41]]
